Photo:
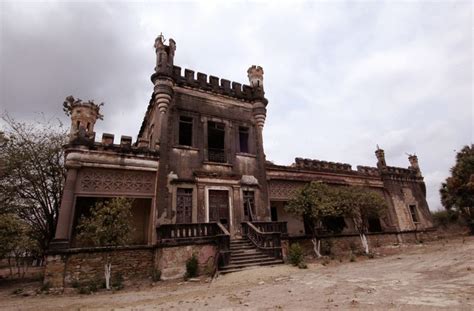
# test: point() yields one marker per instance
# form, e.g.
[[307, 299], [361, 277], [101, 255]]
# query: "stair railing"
[[223, 244], [267, 242]]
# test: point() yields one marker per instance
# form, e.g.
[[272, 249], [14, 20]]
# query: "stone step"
[[239, 267], [250, 260], [238, 247], [248, 255]]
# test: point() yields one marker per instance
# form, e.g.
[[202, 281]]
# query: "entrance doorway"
[[219, 207]]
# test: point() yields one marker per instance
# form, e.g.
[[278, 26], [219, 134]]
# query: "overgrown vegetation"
[[108, 225], [317, 201], [295, 254], [31, 175], [457, 192], [192, 267]]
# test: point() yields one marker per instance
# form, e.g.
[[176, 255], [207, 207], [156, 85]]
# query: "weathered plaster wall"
[[172, 260]]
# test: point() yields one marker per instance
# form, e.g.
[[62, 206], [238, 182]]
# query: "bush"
[[326, 247], [444, 218], [192, 267], [302, 265], [295, 254]]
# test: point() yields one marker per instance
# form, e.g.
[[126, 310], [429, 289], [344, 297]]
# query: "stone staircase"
[[245, 255]]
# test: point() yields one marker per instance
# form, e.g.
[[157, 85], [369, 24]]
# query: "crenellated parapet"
[[322, 165], [401, 174], [126, 146], [368, 170], [213, 84]]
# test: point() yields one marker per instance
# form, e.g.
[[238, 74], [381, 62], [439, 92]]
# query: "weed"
[[295, 254]]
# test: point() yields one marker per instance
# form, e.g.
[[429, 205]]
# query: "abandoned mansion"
[[201, 185]]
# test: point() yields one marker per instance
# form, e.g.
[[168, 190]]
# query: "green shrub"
[[192, 267], [444, 218], [295, 254], [302, 265], [326, 247]]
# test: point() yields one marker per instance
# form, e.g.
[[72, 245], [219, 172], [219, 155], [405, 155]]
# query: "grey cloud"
[[341, 77]]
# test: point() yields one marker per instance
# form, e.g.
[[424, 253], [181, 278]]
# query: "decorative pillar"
[[255, 75], [66, 211], [163, 97]]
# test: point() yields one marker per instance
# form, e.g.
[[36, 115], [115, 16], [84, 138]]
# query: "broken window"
[[216, 142], [184, 205], [414, 215], [374, 224], [249, 205], [244, 139], [334, 224], [185, 131]]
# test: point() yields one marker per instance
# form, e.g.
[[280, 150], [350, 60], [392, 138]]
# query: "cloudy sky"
[[341, 77]]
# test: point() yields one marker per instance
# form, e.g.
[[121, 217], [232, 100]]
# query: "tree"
[[314, 202], [361, 204], [32, 173], [457, 192], [108, 225], [15, 242]]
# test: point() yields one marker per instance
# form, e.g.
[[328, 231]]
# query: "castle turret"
[[414, 163], [164, 55], [380, 154], [83, 117]]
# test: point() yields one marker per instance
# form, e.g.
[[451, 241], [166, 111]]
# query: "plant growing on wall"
[[313, 203], [457, 192], [109, 226]]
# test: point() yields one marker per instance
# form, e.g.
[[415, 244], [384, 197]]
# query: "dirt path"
[[429, 276]]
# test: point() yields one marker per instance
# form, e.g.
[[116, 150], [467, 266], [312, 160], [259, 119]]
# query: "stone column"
[[163, 96], [66, 211], [259, 114]]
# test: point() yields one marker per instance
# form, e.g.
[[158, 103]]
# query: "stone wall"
[[344, 244], [172, 260], [86, 265]]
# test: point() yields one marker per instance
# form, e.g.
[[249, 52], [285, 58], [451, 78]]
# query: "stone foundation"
[[82, 266], [171, 261], [344, 244]]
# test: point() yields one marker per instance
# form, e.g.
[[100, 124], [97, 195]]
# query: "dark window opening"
[[216, 142], [334, 224], [78, 124], [88, 126], [374, 224], [244, 139], [184, 205], [274, 213], [249, 205], [186, 131], [414, 215]]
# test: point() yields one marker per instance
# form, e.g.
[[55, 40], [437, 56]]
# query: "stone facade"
[[199, 158]]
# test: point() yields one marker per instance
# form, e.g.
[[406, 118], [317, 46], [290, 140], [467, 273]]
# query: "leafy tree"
[[108, 225], [15, 242], [32, 173], [362, 204], [457, 192], [313, 203]]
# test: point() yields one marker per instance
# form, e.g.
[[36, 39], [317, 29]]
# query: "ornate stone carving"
[[116, 181], [283, 189]]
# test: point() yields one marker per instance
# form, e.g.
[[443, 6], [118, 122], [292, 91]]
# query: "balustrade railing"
[[271, 226], [179, 234], [267, 242]]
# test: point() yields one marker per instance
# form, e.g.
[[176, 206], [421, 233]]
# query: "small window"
[[216, 142], [414, 215], [185, 131], [244, 139]]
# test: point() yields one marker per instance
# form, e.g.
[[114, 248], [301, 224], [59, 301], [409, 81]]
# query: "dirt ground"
[[435, 275]]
